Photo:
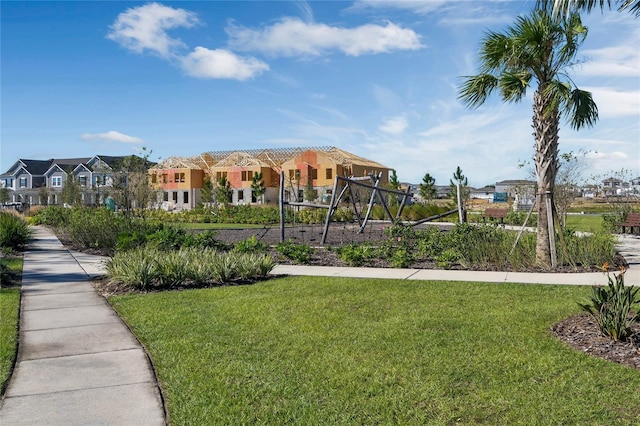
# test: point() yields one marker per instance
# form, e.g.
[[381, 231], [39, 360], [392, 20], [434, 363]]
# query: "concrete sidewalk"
[[78, 363]]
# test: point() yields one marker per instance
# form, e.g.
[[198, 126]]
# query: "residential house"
[[522, 192], [612, 186], [484, 193], [33, 182]]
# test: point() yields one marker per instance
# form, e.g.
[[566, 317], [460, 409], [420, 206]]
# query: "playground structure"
[[348, 187]]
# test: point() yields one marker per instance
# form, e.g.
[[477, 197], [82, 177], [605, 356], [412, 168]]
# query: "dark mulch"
[[581, 333]]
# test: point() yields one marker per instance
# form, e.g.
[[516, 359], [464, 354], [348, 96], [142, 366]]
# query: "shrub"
[[134, 268], [447, 258], [311, 216], [205, 239], [250, 245], [54, 216], [14, 231], [299, 253], [142, 267], [612, 307], [94, 227], [167, 238], [354, 254]]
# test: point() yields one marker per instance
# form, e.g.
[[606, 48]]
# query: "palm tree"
[[538, 50], [566, 6]]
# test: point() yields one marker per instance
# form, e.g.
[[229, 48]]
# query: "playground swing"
[[354, 186]]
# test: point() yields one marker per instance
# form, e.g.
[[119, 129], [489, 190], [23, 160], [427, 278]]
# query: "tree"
[[223, 193], [427, 188], [131, 187], [566, 6], [568, 182], [4, 195], [539, 48], [459, 179], [394, 183], [71, 191], [257, 186], [208, 191]]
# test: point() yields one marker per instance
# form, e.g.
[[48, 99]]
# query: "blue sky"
[[376, 78]]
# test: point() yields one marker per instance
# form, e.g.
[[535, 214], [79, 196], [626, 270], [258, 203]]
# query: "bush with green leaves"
[[54, 216], [143, 268], [354, 254], [14, 231], [167, 238], [299, 253], [205, 239], [95, 228], [250, 245], [615, 308]]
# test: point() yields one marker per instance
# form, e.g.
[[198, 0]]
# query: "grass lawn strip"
[[9, 316], [316, 350]]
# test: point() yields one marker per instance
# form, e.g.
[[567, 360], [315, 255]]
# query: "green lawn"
[[9, 311], [302, 350], [585, 222]]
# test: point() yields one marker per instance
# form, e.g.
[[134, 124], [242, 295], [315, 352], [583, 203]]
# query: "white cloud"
[[220, 63], [419, 7], [293, 37], [111, 136], [618, 61], [394, 125], [145, 28], [614, 103]]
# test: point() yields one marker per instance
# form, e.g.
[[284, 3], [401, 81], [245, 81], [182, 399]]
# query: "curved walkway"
[[78, 363]]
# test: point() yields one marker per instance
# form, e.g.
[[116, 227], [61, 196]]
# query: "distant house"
[[484, 193], [612, 186], [33, 182], [522, 192], [635, 186]]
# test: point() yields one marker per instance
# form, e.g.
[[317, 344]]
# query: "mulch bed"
[[581, 333]]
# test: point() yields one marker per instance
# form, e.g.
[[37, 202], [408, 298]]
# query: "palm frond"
[[495, 51], [582, 109], [475, 89], [513, 85], [556, 93]]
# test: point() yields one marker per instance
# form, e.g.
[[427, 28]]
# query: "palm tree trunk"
[[546, 127]]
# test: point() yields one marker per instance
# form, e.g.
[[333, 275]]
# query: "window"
[[178, 177], [83, 180], [300, 195], [154, 178], [245, 175], [185, 197], [99, 180], [56, 181], [294, 174], [165, 196], [220, 175], [175, 196], [314, 173], [329, 173], [165, 178], [23, 182], [240, 195]]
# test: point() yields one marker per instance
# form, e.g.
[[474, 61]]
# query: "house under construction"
[[180, 180]]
